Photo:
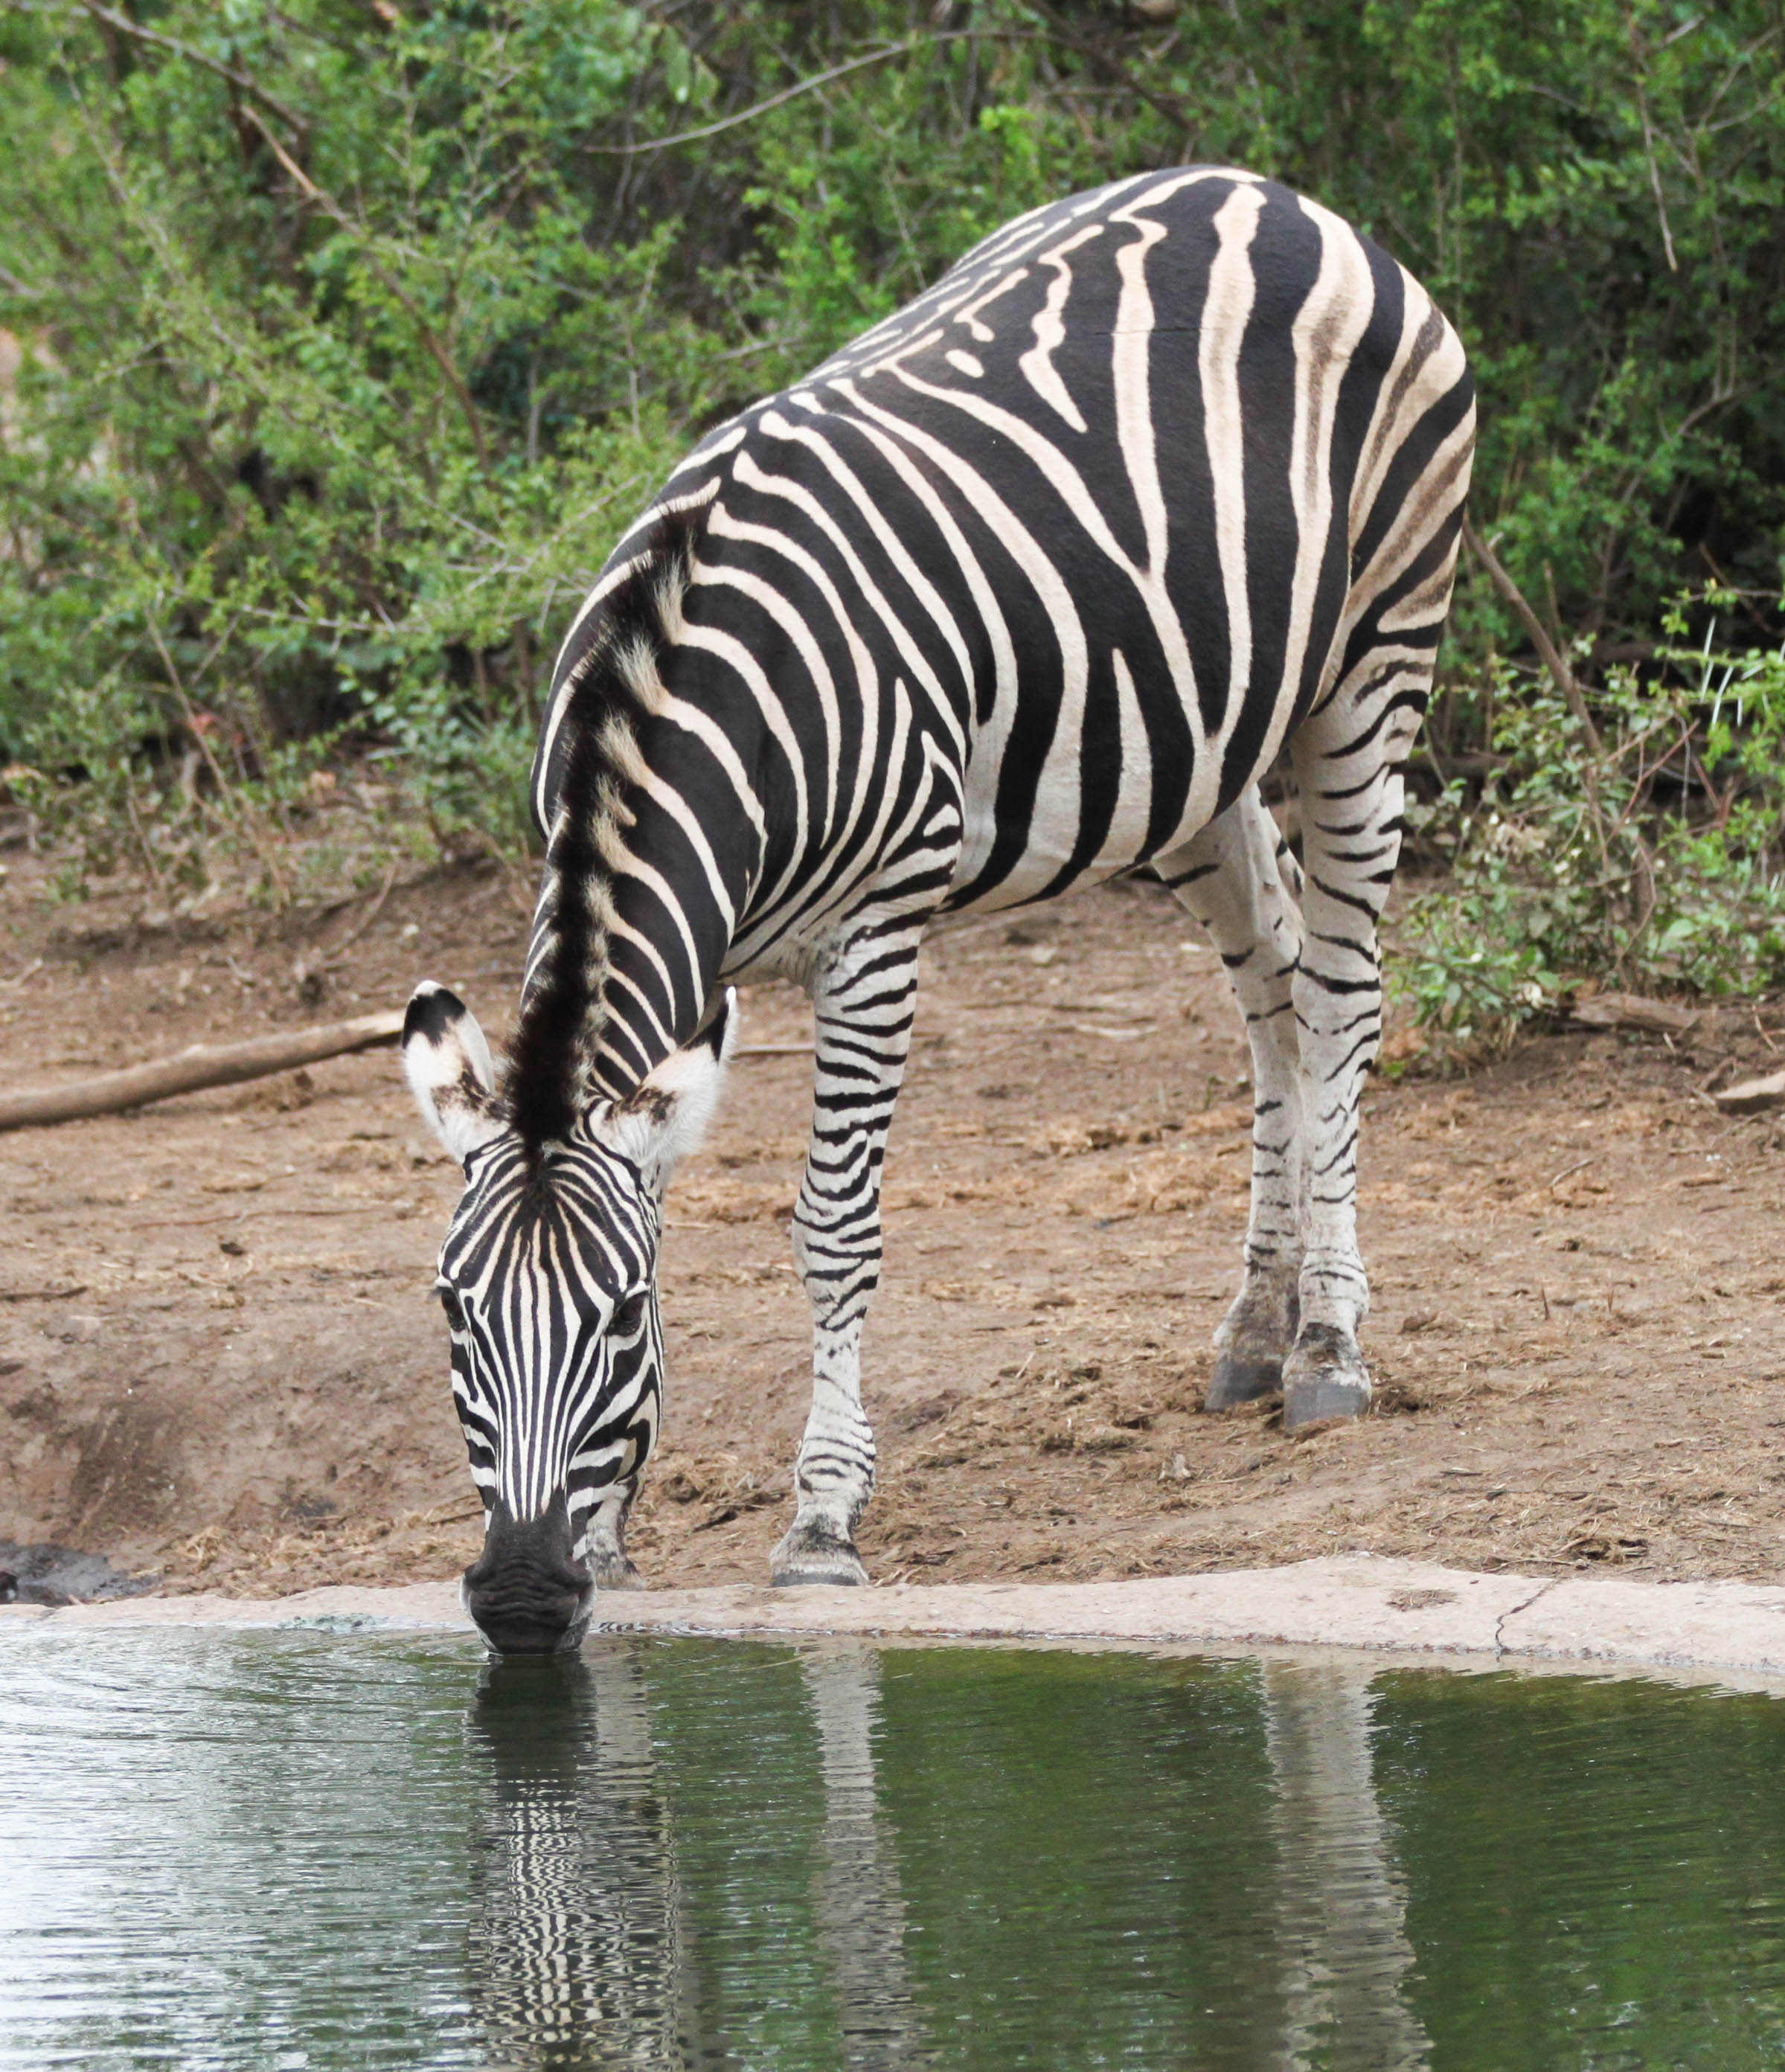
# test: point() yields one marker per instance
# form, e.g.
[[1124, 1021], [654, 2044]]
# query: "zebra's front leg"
[[604, 1475], [609, 1566], [1239, 880], [865, 1007]]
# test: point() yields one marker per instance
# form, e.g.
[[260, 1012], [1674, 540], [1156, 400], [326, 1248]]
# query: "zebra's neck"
[[631, 927]]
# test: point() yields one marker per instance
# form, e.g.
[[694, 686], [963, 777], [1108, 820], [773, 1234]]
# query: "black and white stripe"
[[1027, 587]]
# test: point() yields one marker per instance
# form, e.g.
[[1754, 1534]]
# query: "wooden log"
[[203, 1065], [1634, 1010], [227, 1064]]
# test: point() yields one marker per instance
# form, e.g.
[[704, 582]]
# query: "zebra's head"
[[549, 1279]]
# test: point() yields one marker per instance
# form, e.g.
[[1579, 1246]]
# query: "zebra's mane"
[[613, 682]]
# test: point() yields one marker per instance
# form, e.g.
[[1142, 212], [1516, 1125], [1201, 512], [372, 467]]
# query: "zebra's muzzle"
[[526, 1591]]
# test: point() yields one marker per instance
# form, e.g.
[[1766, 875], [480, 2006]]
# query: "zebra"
[[1024, 588]]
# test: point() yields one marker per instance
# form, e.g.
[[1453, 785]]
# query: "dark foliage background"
[[342, 335]]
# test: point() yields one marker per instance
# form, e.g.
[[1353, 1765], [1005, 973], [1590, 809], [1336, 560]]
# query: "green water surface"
[[295, 1850]]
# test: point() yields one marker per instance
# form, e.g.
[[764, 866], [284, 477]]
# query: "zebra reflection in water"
[[576, 1954], [585, 1951], [1341, 1908], [581, 1953], [860, 1910]]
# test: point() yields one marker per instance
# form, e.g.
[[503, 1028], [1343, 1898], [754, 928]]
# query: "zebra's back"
[[1135, 439]]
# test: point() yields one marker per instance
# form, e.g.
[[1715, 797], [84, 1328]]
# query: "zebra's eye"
[[627, 1318], [454, 1308]]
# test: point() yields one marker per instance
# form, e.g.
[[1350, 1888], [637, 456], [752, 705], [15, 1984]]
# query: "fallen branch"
[[203, 1065], [228, 1064], [1636, 1010]]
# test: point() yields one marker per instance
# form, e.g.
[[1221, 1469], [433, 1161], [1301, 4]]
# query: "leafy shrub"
[[1653, 858], [349, 333]]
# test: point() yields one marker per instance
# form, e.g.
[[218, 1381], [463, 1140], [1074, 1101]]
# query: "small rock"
[[1753, 1096]]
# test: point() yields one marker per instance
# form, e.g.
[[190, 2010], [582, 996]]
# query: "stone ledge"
[[1407, 1609]]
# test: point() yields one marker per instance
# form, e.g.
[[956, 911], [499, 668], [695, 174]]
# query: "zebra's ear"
[[447, 1064], [666, 1114]]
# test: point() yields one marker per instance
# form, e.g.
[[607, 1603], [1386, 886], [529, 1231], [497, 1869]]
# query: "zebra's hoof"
[[613, 1572], [1238, 1381], [1323, 1397], [1324, 1378], [810, 1554]]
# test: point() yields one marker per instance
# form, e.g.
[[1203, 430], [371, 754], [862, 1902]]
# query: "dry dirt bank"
[[220, 1360]]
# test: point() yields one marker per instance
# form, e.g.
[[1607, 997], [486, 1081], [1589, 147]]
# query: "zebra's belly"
[[1113, 794]]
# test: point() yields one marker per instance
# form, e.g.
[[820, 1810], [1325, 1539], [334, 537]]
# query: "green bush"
[[351, 332], [1653, 857]]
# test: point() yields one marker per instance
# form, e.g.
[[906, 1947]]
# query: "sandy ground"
[[221, 1362]]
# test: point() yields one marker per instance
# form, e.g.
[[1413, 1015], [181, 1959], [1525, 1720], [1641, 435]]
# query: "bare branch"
[[760, 108], [1551, 656], [1642, 902], [1112, 69], [1648, 139]]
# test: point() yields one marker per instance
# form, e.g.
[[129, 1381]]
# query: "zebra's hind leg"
[[1348, 759], [1238, 877], [864, 1000]]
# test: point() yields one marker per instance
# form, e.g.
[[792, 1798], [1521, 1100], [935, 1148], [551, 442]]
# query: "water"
[[293, 1850]]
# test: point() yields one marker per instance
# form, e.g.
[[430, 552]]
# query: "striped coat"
[[1027, 587]]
